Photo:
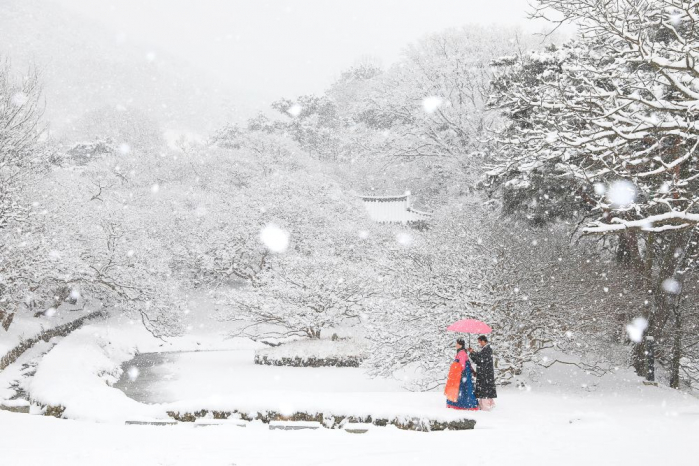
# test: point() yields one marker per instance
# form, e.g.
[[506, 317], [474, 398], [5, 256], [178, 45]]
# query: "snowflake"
[[432, 103], [621, 193], [636, 328], [672, 286], [295, 110], [274, 238], [19, 99], [404, 238], [133, 373]]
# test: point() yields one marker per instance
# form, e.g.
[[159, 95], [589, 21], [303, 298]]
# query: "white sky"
[[280, 48]]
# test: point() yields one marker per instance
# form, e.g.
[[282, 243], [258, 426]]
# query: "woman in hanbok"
[[459, 388]]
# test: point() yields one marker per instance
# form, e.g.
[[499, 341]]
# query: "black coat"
[[485, 380]]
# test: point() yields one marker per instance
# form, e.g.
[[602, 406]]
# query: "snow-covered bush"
[[315, 353]]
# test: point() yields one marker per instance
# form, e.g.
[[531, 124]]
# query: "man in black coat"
[[485, 379]]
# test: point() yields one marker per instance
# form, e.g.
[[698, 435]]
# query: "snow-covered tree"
[[315, 270], [535, 288], [603, 130], [22, 157]]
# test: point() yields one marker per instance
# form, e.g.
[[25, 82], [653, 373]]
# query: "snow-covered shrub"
[[315, 353]]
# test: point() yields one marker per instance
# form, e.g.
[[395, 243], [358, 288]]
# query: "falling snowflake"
[[124, 148], [130, 253], [363, 234], [150, 56], [274, 238], [600, 189], [404, 238], [19, 99], [672, 286], [432, 103], [155, 188], [74, 294], [621, 193], [295, 110], [133, 373], [636, 328], [50, 312]]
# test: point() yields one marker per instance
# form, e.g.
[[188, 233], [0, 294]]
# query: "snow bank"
[[74, 377]]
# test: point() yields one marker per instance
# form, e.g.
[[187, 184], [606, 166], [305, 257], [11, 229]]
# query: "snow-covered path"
[[641, 427]]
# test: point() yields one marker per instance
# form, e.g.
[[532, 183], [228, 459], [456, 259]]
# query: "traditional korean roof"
[[393, 209]]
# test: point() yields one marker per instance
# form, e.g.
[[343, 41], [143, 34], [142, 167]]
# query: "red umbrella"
[[469, 326]]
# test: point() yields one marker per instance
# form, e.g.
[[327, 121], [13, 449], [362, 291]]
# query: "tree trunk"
[[666, 261], [627, 252], [676, 352], [638, 358]]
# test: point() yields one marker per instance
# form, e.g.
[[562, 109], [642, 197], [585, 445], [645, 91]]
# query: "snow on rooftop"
[[393, 209]]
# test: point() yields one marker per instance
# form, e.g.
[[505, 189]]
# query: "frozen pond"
[[168, 377]]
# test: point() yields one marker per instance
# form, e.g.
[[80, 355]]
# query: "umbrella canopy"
[[470, 326]]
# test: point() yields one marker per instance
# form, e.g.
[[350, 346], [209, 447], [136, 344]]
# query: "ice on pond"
[[275, 238]]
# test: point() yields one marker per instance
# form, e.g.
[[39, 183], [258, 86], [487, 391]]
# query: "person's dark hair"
[[461, 342], [483, 338]]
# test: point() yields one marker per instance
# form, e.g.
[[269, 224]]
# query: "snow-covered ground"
[[642, 426], [566, 417]]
